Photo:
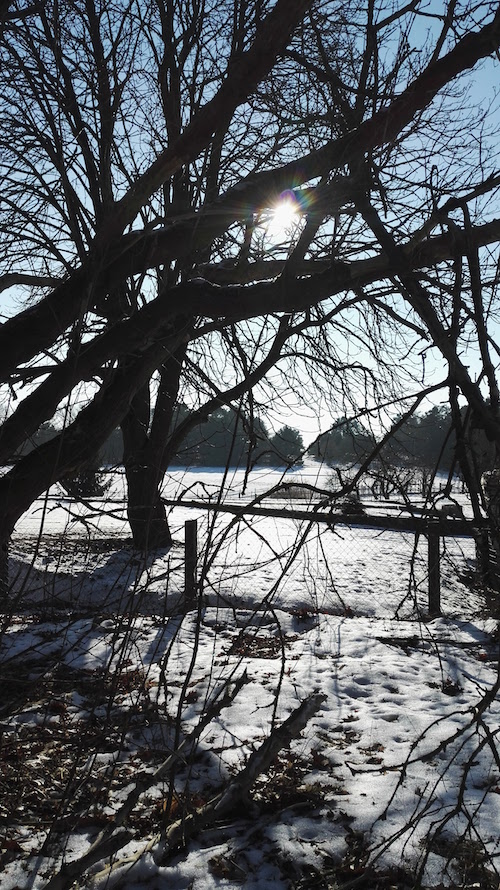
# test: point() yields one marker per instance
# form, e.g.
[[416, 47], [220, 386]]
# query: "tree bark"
[[145, 510], [4, 568], [146, 457], [75, 444]]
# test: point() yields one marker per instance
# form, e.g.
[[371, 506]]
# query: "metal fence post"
[[434, 565], [190, 560]]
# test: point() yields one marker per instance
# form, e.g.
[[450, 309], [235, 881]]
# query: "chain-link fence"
[[358, 565]]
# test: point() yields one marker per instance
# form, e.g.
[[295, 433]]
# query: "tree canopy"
[[146, 147]]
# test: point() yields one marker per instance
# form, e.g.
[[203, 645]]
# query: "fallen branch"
[[178, 833], [109, 840]]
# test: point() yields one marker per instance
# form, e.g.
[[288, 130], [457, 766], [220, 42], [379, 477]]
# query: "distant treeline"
[[224, 439], [425, 440], [227, 438]]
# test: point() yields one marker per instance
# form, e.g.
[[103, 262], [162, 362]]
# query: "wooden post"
[[433, 556], [190, 560]]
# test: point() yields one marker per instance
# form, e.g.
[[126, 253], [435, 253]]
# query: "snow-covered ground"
[[393, 782]]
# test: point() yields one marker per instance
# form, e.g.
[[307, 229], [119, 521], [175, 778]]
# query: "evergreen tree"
[[287, 446], [347, 442]]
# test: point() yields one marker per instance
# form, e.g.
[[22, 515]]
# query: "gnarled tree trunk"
[[146, 455], [146, 512]]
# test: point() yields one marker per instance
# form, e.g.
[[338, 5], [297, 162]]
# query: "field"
[[134, 724]]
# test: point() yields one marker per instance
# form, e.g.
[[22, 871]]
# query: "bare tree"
[[140, 183], [93, 137]]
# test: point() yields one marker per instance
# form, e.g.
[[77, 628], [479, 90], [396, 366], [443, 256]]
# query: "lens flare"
[[284, 216]]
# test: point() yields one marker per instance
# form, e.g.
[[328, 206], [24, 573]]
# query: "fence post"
[[434, 566], [190, 560]]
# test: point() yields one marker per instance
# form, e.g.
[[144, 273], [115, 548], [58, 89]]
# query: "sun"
[[283, 217]]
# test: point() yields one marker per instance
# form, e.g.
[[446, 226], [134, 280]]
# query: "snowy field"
[[119, 767]]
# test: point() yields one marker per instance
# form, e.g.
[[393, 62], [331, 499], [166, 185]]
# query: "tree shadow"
[[86, 577]]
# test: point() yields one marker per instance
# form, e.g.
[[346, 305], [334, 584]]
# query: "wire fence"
[[285, 551], [326, 562]]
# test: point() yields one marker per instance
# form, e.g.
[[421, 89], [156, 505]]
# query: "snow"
[[405, 744]]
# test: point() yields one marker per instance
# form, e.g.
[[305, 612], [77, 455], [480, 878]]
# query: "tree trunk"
[[145, 453], [145, 510], [4, 568], [74, 446]]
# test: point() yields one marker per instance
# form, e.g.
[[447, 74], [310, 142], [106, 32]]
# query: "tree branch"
[[29, 332], [226, 305]]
